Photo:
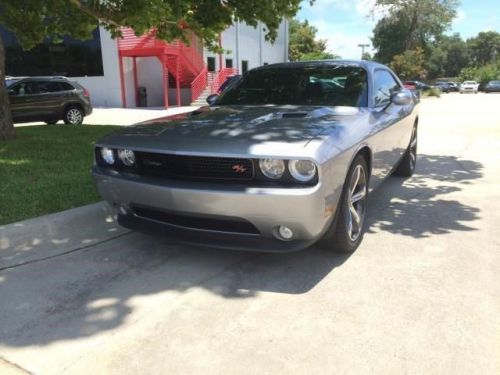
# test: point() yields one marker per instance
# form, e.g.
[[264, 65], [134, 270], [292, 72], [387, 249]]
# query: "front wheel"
[[74, 116], [347, 229]]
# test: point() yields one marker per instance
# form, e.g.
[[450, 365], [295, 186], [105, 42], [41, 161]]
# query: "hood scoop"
[[293, 114]]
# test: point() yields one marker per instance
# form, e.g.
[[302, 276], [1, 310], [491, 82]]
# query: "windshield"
[[10, 82], [469, 83], [495, 82], [327, 85]]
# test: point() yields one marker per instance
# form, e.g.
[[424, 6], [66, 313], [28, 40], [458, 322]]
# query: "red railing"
[[221, 77], [199, 84]]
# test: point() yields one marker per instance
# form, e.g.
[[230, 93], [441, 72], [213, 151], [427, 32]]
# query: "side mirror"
[[10, 92], [403, 97], [211, 99]]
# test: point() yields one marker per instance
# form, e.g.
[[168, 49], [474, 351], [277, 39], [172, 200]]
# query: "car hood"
[[236, 130]]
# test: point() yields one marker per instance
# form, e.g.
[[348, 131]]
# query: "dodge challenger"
[[282, 159]]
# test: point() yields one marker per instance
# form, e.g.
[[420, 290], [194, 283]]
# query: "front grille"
[[232, 225], [196, 167]]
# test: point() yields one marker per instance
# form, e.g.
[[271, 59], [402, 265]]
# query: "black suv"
[[48, 99]]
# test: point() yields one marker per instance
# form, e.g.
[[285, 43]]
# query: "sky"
[[347, 23]]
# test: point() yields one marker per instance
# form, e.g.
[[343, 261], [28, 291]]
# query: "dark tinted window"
[[66, 86], [328, 85], [72, 58], [49, 86], [384, 86], [244, 66], [211, 64], [24, 88], [9, 82], [229, 63]]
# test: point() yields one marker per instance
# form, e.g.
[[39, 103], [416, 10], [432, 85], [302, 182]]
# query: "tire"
[[346, 232], [74, 116], [408, 162]]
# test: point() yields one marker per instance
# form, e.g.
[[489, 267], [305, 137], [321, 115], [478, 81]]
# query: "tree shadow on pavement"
[[414, 207], [95, 290]]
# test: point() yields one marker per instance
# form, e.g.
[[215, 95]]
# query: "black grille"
[[165, 165], [225, 224]]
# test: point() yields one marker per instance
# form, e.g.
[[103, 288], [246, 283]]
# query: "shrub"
[[433, 91]]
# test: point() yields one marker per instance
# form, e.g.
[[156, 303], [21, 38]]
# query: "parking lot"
[[420, 296]]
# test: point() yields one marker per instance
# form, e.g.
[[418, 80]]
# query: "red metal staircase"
[[183, 65]]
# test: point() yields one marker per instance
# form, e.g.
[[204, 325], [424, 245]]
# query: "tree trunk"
[[6, 125]]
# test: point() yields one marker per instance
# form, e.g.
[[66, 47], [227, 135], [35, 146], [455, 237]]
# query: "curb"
[[50, 235]]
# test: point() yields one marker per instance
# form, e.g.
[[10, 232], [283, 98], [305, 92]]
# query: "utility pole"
[[363, 46]]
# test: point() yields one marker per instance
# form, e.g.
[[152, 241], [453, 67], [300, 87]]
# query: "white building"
[[167, 71]]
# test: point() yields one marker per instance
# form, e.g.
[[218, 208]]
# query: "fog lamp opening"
[[284, 233]]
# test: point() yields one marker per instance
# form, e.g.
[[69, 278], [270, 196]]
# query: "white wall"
[[105, 91], [248, 43]]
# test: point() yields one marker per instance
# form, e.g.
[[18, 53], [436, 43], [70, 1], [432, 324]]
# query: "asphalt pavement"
[[421, 295]]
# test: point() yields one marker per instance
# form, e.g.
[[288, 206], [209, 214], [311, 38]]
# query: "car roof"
[[39, 78], [368, 65]]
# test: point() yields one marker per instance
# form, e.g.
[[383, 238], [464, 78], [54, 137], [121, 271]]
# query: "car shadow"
[[83, 293]]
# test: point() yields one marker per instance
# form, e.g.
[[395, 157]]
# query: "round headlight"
[[302, 170], [108, 155], [272, 168], [127, 157]]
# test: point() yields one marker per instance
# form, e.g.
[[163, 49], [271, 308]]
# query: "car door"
[[22, 97], [390, 133], [48, 99]]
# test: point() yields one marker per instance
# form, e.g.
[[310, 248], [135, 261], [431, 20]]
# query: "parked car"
[[469, 86], [281, 160], [454, 87], [419, 85], [413, 88], [492, 86], [47, 99], [443, 86], [229, 81]]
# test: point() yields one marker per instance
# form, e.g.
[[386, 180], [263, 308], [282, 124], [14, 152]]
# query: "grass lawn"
[[47, 169]]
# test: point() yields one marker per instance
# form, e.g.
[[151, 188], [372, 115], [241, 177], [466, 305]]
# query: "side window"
[[48, 86], [24, 88], [66, 86], [384, 86]]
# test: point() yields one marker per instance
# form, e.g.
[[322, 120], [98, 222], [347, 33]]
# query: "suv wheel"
[[73, 116]]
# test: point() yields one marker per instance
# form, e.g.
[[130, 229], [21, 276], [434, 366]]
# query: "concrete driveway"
[[420, 296]]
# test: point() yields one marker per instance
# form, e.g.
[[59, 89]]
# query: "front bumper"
[[305, 210]]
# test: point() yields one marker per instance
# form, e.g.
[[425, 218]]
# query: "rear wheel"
[[407, 164], [347, 229], [74, 116]]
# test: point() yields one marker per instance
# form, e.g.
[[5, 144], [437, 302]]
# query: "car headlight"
[[127, 157], [108, 155], [272, 168], [302, 170]]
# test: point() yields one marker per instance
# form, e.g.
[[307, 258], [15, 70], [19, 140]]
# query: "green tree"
[[303, 44], [410, 24], [447, 56], [409, 64], [485, 47], [34, 20]]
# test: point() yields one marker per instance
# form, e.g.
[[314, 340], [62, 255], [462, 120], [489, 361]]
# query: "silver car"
[[284, 158]]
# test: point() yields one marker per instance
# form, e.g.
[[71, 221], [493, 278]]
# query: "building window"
[[229, 63], [211, 64], [72, 58], [266, 63], [244, 66]]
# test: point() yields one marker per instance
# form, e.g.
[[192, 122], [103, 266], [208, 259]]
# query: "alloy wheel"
[[356, 203], [413, 149], [74, 116]]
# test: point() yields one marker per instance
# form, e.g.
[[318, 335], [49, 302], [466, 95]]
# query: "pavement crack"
[[12, 368], [80, 248]]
